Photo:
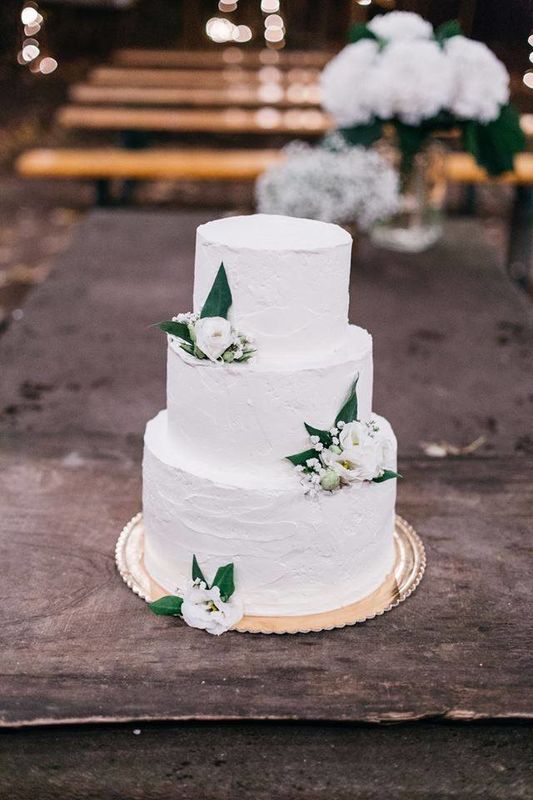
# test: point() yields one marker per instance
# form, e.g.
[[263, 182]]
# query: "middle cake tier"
[[250, 416]]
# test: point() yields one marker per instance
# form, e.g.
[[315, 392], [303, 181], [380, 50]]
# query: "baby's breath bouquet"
[[331, 183]]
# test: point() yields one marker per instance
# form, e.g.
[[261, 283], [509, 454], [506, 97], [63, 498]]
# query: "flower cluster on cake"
[[218, 486]]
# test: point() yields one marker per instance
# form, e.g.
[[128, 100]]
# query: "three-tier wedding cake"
[[268, 458]]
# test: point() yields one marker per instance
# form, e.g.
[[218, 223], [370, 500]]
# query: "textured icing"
[[289, 279], [292, 554], [236, 418]]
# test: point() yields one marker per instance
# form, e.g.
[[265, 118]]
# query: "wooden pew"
[[214, 78], [247, 96], [303, 122], [206, 59], [105, 164]]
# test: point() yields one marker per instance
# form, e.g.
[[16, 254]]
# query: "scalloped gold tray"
[[409, 566]]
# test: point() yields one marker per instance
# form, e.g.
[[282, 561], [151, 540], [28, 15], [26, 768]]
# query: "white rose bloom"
[[203, 608], [400, 25], [412, 80], [344, 83], [365, 453], [480, 80], [213, 336]]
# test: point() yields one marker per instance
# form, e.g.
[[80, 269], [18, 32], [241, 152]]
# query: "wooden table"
[[227, 717]]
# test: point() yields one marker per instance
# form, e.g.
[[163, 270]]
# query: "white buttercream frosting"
[[216, 483], [292, 554], [248, 417], [289, 280]]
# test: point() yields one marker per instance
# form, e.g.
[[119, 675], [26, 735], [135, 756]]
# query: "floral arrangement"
[[351, 451], [399, 71], [212, 608], [334, 183], [209, 334]]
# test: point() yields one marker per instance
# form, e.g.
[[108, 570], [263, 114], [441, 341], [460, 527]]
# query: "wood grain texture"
[[259, 761], [78, 646]]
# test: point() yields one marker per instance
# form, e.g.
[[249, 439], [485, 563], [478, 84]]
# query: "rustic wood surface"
[[453, 361], [77, 645], [258, 762]]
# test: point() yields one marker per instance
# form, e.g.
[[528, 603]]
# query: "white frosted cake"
[[305, 535]]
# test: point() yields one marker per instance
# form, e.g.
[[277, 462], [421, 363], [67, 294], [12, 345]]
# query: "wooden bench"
[[206, 59], [294, 122], [233, 95], [118, 76], [106, 164]]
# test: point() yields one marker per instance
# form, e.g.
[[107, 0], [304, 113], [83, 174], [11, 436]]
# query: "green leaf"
[[360, 31], [495, 144], [386, 476], [324, 436], [224, 581], [169, 606], [363, 135], [299, 459], [447, 30], [188, 348], [348, 412], [178, 329], [219, 298], [197, 573]]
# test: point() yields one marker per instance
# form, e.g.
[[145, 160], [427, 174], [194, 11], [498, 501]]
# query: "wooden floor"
[[81, 373]]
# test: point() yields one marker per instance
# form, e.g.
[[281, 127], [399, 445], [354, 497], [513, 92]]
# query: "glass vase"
[[419, 222]]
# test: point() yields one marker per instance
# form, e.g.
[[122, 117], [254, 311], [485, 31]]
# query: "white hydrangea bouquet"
[[399, 71], [332, 183], [352, 451], [209, 334]]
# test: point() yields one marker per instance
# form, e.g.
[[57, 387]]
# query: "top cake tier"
[[289, 280]]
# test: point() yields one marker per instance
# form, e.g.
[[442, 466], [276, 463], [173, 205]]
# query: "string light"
[[528, 76], [274, 24], [29, 15], [30, 53], [269, 6]]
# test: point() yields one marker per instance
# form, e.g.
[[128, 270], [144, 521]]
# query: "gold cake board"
[[409, 566]]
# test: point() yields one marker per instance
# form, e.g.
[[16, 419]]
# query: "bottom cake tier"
[[293, 554]]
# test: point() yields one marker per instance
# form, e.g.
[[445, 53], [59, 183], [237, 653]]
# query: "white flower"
[[213, 336], [203, 608], [319, 447], [314, 439], [412, 80], [400, 25], [349, 184], [344, 83], [480, 80], [364, 456]]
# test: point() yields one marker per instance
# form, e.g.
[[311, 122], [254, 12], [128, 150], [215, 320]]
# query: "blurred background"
[[87, 84]]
